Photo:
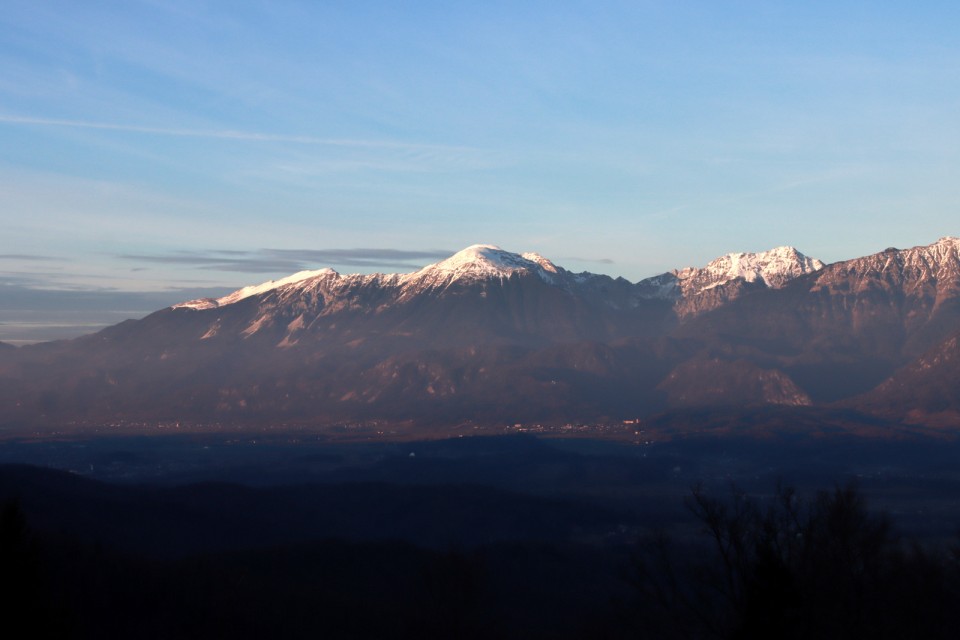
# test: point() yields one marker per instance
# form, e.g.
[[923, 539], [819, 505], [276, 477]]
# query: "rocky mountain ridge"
[[492, 336], [485, 263]]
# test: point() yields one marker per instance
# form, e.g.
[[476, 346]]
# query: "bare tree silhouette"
[[789, 568]]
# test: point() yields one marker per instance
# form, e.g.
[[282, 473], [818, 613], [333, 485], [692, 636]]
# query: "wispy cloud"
[[24, 256], [27, 295], [47, 306], [592, 260], [228, 134], [359, 257], [290, 260]]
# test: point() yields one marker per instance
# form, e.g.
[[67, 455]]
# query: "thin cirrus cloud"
[[229, 134], [25, 296], [592, 260], [26, 256], [289, 260]]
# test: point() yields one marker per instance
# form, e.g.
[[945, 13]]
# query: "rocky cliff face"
[[716, 382]]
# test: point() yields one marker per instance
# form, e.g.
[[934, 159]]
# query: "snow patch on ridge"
[[478, 262], [540, 260], [918, 270], [253, 290]]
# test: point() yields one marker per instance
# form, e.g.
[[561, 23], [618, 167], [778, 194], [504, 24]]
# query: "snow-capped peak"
[[479, 262], [485, 259], [252, 290], [775, 268]]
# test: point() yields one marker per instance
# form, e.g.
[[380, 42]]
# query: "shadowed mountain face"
[[927, 390], [492, 336]]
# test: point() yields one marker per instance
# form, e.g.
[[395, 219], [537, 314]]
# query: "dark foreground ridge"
[[747, 568], [513, 537]]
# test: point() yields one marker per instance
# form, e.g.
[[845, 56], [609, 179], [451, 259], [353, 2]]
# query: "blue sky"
[[151, 151]]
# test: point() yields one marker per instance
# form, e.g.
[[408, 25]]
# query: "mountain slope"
[[469, 336], [843, 329], [926, 391], [481, 294], [497, 337]]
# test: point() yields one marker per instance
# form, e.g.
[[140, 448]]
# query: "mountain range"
[[493, 337]]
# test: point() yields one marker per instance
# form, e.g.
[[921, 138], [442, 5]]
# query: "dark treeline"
[[57, 586], [784, 567], [826, 567]]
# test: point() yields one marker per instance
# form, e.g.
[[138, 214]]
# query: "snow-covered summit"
[[486, 260], [774, 268], [479, 262]]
